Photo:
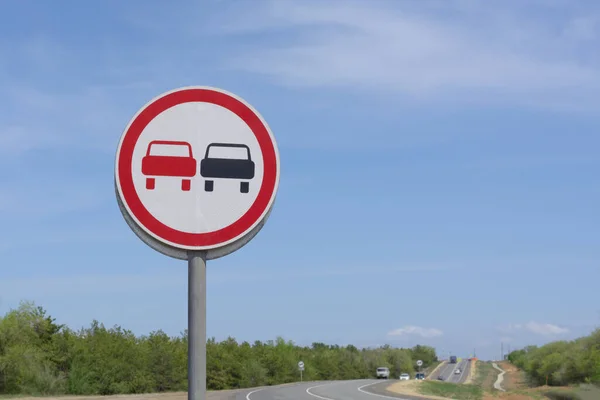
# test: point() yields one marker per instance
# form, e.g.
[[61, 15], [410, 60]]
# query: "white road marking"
[[462, 371], [316, 395], [449, 379], [254, 391], [360, 389]]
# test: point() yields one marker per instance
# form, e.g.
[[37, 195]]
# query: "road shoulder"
[[402, 389], [472, 366], [436, 370]]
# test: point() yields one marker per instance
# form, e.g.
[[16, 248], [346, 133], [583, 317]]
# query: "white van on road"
[[383, 373]]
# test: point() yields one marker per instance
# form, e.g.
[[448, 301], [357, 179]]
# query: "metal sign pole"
[[300, 375], [187, 229], [196, 325]]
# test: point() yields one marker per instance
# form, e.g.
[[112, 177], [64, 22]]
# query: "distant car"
[[383, 373], [457, 371], [440, 378], [419, 375], [404, 377]]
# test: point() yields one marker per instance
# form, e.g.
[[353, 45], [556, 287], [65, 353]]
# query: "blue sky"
[[439, 166]]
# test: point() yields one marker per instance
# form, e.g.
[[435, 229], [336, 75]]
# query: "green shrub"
[[561, 363], [40, 357]]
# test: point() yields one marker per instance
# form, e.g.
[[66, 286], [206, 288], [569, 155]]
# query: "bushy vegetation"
[[562, 362], [38, 356]]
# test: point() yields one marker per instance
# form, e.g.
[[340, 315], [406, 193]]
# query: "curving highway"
[[364, 389], [448, 375]]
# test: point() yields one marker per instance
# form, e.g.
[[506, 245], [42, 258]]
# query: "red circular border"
[[174, 236]]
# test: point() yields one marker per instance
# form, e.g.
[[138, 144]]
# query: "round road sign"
[[300, 364], [197, 169], [419, 363]]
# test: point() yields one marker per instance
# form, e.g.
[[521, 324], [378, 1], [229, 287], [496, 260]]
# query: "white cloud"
[[293, 273], [52, 199], [411, 330], [538, 328], [72, 285], [77, 284], [87, 117], [545, 329], [68, 285], [64, 103], [458, 51]]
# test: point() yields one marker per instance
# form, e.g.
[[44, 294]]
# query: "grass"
[[486, 376], [451, 390]]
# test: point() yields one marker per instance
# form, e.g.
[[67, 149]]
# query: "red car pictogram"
[[181, 165]]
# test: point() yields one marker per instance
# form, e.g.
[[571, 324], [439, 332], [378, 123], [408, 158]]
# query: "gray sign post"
[[162, 169], [197, 325], [301, 368]]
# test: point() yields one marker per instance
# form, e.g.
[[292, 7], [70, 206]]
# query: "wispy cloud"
[[32, 210], [87, 117], [519, 52], [55, 98], [47, 199], [69, 285], [90, 284], [325, 271], [411, 330], [538, 328]]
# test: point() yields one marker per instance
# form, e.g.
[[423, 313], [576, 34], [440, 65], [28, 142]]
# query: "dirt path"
[[498, 383], [514, 378]]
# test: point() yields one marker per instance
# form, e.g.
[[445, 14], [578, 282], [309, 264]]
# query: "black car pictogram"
[[240, 167]]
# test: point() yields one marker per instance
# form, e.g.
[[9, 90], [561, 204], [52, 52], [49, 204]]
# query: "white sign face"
[[197, 169], [193, 209], [419, 363], [300, 365]]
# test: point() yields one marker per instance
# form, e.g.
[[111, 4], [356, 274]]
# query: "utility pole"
[[501, 351]]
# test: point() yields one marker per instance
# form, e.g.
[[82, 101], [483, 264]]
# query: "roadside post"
[[196, 176], [301, 368]]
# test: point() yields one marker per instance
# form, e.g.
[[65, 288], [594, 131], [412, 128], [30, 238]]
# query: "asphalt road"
[[465, 367], [448, 375], [364, 389]]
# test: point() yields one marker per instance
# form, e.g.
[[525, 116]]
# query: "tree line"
[[562, 362], [39, 356]]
